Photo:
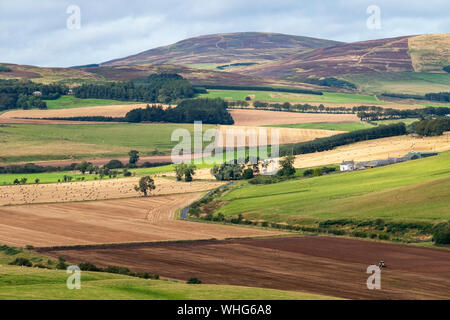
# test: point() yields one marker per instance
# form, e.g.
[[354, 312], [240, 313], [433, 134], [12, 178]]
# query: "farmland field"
[[94, 190], [28, 142], [375, 150], [333, 97], [422, 185], [344, 126], [321, 265], [111, 221], [32, 283], [252, 117], [106, 111], [68, 102], [407, 82]]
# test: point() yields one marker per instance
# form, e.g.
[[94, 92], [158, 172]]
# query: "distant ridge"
[[226, 48]]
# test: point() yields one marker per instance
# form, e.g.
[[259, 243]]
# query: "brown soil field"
[[94, 190], [321, 265], [286, 135], [107, 111], [260, 117], [377, 149], [111, 221]]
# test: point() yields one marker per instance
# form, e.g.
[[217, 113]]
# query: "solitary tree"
[[134, 156], [146, 184]]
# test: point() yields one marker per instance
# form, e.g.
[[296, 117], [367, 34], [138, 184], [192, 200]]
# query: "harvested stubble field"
[[251, 117], [94, 190], [111, 221], [377, 149], [107, 111], [286, 135], [321, 265]]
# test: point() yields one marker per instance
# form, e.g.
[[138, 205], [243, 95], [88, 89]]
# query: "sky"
[[62, 33]]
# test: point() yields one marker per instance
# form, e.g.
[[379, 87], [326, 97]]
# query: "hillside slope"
[[424, 53], [254, 47]]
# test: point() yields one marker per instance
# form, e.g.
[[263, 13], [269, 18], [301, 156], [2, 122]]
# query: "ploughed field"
[[111, 221], [320, 265]]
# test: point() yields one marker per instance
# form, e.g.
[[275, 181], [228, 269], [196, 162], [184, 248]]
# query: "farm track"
[[321, 265]]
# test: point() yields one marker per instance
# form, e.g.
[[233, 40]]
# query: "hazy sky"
[[36, 32]]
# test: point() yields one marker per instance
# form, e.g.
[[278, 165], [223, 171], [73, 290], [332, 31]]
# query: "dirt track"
[[261, 117], [322, 265], [112, 221]]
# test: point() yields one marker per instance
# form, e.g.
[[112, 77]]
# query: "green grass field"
[[349, 126], [69, 102], [332, 97], [401, 82], [29, 142], [41, 284], [414, 190]]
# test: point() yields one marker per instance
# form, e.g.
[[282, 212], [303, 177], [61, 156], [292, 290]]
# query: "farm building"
[[350, 165], [37, 93], [347, 166]]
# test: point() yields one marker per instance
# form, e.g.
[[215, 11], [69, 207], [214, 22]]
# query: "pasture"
[[40, 284], [69, 102], [327, 97], [422, 185], [29, 143]]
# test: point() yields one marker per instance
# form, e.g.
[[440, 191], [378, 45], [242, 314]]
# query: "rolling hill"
[[220, 49], [425, 53]]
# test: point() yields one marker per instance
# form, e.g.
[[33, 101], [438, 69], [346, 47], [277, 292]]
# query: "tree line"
[[162, 88], [15, 94], [329, 82], [257, 88], [329, 143], [210, 111], [432, 127], [389, 113], [438, 96]]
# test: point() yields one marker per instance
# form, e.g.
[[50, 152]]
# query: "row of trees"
[[329, 82], [163, 88], [438, 96], [211, 111], [388, 113], [432, 127], [328, 143], [257, 88], [308, 108]]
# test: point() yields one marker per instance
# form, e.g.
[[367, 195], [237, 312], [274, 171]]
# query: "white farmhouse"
[[347, 166]]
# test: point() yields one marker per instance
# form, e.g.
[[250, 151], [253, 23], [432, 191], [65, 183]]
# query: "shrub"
[[114, 164], [373, 235], [308, 172], [21, 262], [194, 280], [61, 265], [441, 233], [383, 236], [9, 250], [87, 266], [247, 174], [317, 172], [359, 234]]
